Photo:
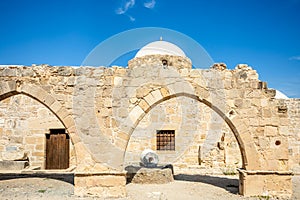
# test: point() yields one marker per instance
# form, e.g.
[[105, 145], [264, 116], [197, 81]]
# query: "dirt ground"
[[184, 187]]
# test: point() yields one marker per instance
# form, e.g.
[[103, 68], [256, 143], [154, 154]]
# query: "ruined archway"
[[12, 88], [30, 131], [26, 127], [235, 124]]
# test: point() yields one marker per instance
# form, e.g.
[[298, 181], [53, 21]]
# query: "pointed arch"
[[237, 126], [12, 88]]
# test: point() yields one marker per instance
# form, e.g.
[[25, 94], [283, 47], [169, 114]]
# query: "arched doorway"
[[235, 124], [185, 133], [47, 108], [26, 125], [223, 116]]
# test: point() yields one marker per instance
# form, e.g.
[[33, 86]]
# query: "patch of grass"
[[229, 171], [263, 197], [41, 191]]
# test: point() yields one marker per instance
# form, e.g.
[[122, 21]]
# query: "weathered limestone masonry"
[[221, 118]]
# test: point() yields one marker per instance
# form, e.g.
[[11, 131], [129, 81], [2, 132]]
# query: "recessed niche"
[[164, 62], [277, 142], [282, 109], [231, 113]]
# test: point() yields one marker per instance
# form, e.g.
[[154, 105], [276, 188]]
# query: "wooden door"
[[57, 149]]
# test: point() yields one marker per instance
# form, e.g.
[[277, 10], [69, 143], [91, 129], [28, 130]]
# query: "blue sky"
[[262, 33]]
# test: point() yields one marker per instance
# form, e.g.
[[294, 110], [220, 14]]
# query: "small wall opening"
[[165, 140], [165, 62]]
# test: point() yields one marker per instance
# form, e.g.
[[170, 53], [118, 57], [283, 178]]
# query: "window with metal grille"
[[165, 140]]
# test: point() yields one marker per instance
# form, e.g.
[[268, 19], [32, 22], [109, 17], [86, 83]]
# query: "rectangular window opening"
[[165, 140]]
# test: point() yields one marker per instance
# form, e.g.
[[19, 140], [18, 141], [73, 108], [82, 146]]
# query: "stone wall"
[[113, 113], [23, 125], [292, 131], [203, 139]]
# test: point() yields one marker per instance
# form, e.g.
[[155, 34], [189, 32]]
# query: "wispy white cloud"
[[150, 4], [125, 7], [131, 18], [294, 58]]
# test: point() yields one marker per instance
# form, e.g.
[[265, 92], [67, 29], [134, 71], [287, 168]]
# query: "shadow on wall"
[[68, 178], [229, 184]]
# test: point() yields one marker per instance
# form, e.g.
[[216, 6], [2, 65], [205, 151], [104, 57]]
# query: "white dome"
[[160, 47], [280, 95]]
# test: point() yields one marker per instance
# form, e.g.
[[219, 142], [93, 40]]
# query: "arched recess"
[[46, 99], [239, 129]]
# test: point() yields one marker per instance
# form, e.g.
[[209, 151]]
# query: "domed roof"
[[160, 47], [280, 95]]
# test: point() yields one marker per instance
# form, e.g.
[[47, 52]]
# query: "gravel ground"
[[184, 187]]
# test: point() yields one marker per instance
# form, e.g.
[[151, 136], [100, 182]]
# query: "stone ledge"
[[13, 165], [99, 184], [264, 172], [156, 175], [266, 183], [82, 174]]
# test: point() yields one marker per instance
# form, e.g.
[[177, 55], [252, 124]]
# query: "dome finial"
[[161, 38]]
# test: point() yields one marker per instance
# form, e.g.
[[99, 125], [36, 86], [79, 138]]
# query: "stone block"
[[135, 113], [284, 121], [118, 81], [40, 94], [8, 72], [65, 71], [81, 152], [38, 153], [284, 130], [271, 131], [73, 135], [178, 87], [39, 147], [144, 105], [123, 136], [121, 144], [150, 99], [122, 112], [149, 175], [156, 95], [12, 85], [28, 89], [266, 113], [30, 140], [202, 93], [100, 185], [142, 92], [56, 106], [265, 183], [164, 92], [116, 192], [99, 167], [13, 165], [68, 121], [111, 181], [194, 73], [263, 142]]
